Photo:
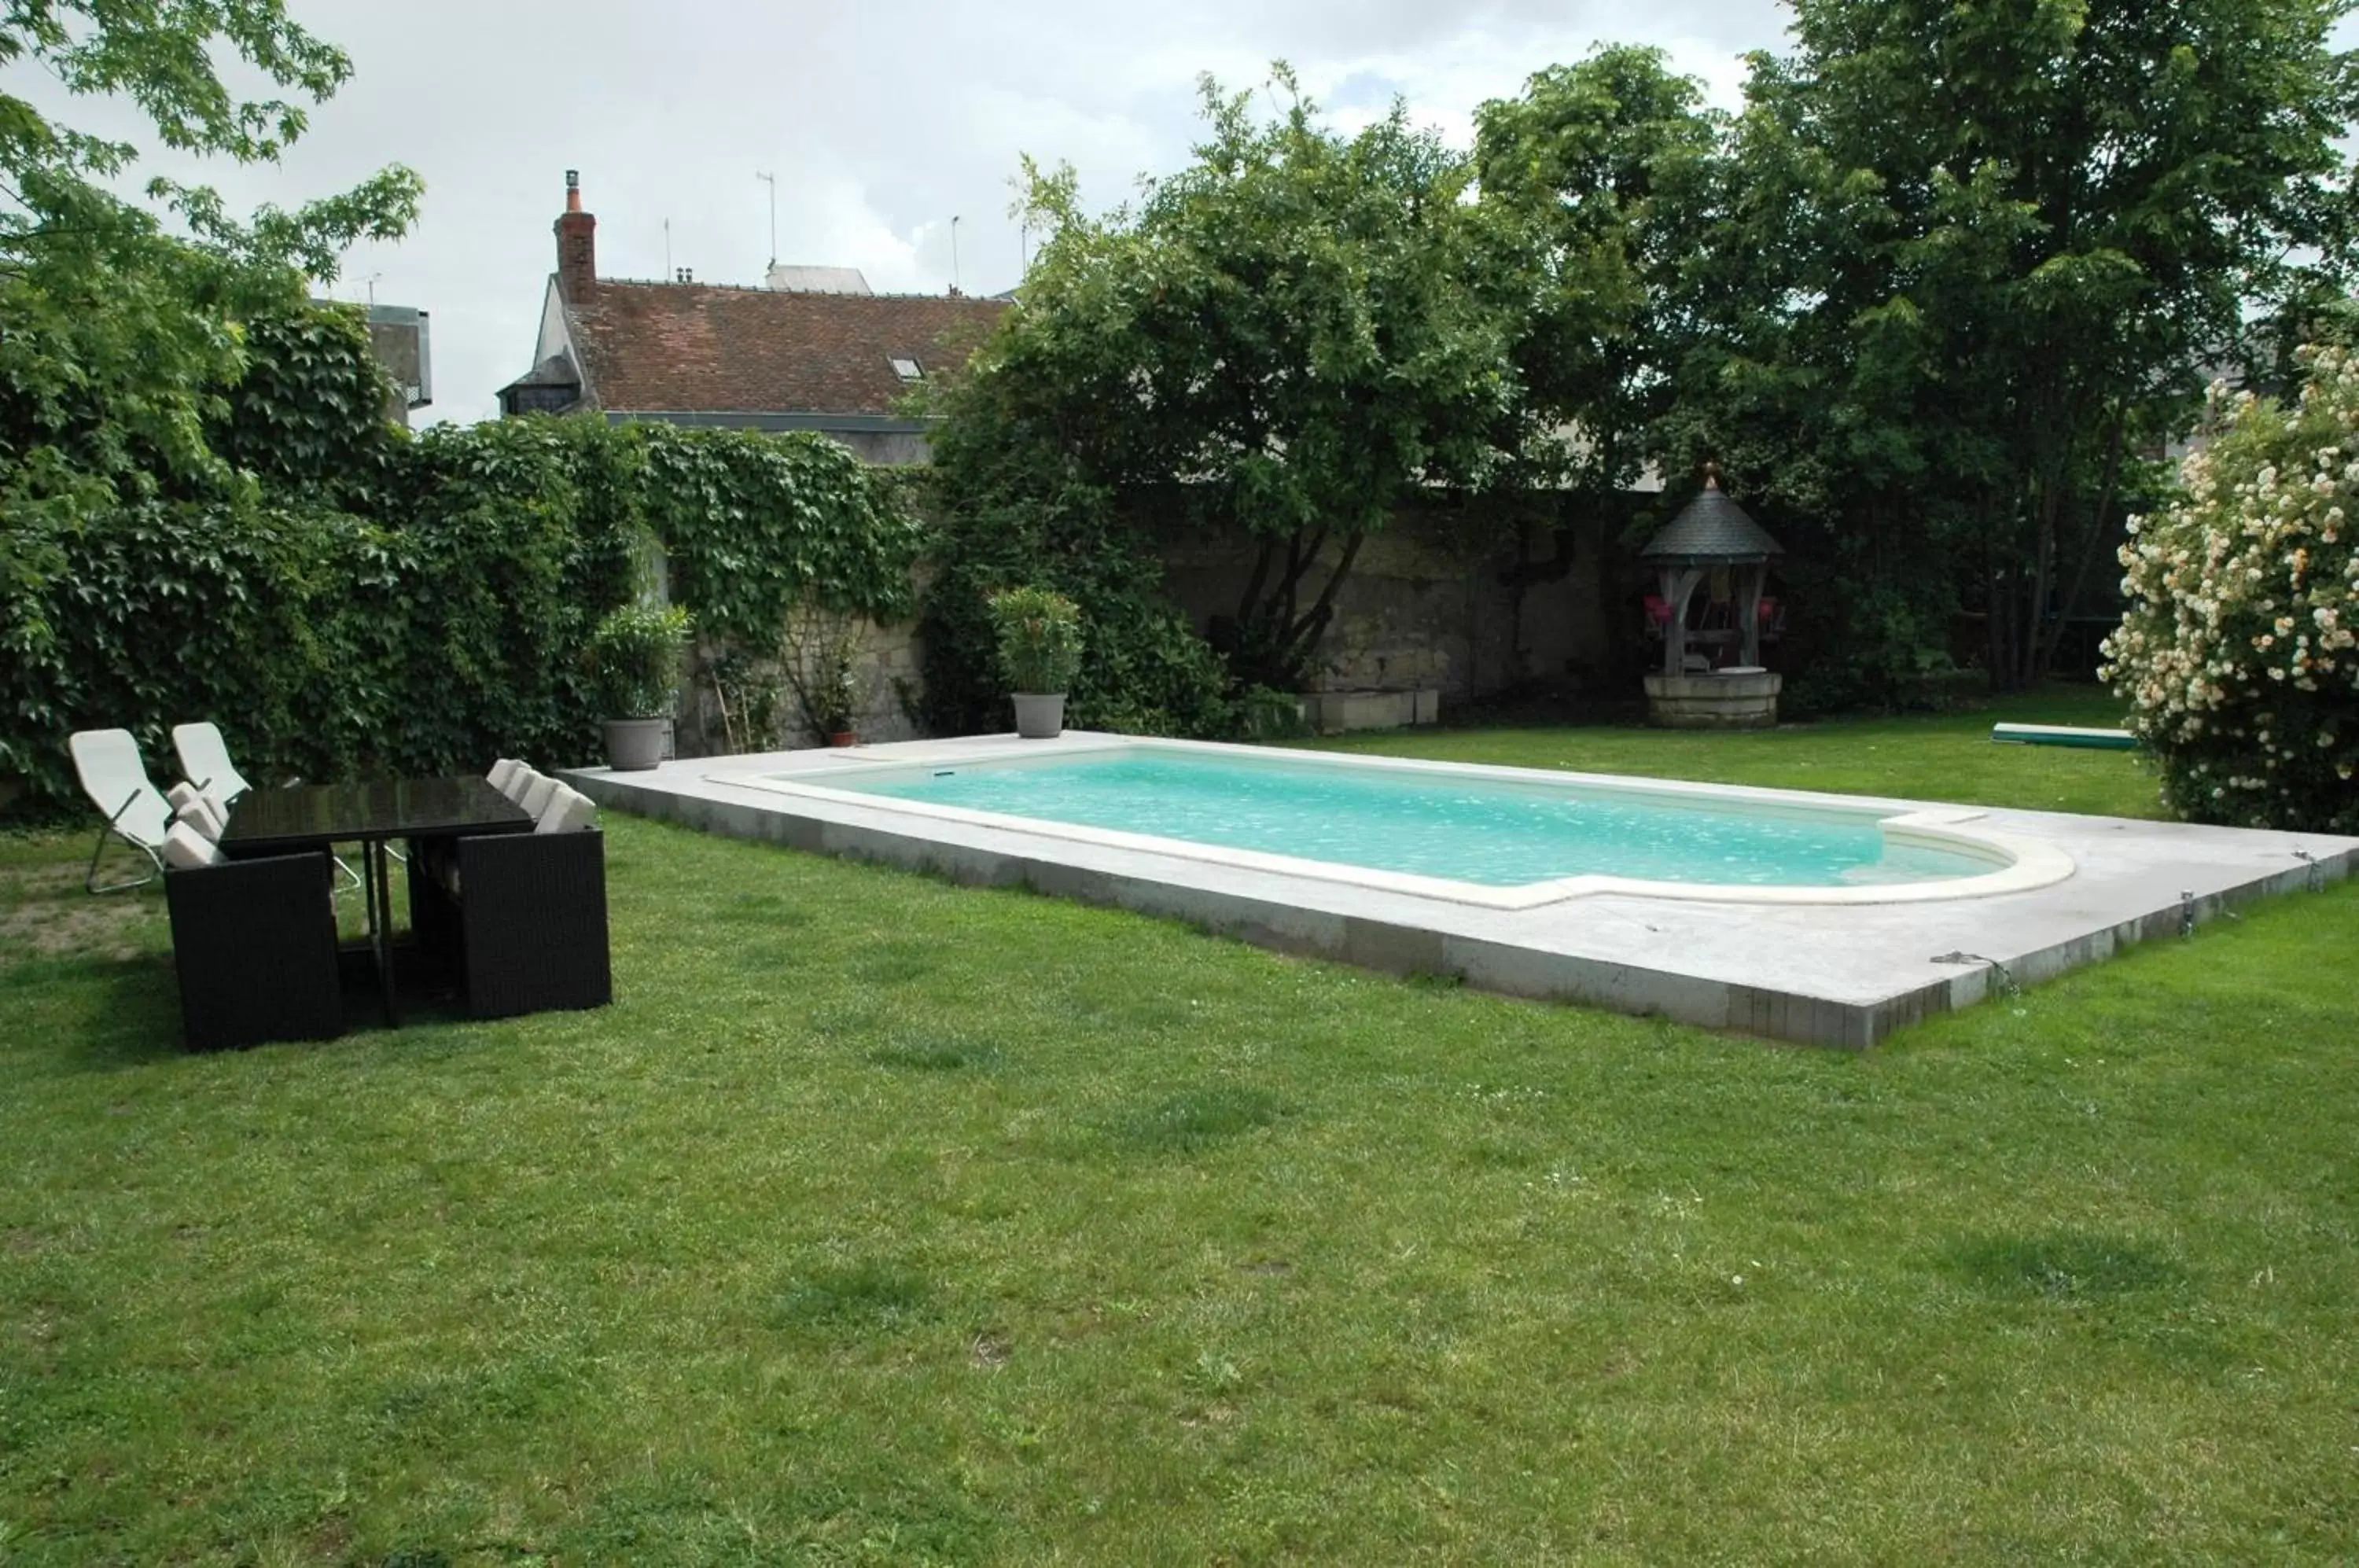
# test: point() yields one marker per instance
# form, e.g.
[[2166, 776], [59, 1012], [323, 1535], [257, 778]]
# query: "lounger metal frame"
[[112, 830]]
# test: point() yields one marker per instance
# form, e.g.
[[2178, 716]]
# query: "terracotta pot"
[[843, 737]]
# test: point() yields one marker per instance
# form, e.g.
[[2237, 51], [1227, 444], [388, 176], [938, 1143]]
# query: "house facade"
[[811, 350]]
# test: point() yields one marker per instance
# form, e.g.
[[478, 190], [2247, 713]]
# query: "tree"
[[116, 337], [1299, 330], [1971, 253], [161, 57], [1609, 162]]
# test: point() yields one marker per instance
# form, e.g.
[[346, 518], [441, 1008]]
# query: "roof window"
[[908, 369]]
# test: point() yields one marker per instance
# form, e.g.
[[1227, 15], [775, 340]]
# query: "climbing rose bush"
[[2237, 654]]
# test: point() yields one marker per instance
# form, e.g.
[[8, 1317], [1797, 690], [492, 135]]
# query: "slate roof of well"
[[1711, 527], [702, 347]]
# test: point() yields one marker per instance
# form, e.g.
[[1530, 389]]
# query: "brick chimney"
[[577, 243]]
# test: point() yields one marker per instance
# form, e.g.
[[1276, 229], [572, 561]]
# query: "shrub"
[[1012, 508], [1039, 633], [1144, 670], [637, 653], [2237, 654]]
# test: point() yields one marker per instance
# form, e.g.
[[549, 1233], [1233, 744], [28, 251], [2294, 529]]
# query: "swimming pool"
[[1508, 838], [1830, 965]]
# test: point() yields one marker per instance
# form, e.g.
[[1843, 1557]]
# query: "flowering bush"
[[2237, 654]]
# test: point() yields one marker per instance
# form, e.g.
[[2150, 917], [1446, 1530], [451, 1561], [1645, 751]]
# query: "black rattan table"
[[372, 814]]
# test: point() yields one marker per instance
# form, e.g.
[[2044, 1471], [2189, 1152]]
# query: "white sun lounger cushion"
[[204, 756], [201, 815], [537, 794], [116, 782], [189, 850], [213, 801], [502, 771], [569, 809]]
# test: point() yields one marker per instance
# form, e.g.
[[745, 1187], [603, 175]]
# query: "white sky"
[[880, 121]]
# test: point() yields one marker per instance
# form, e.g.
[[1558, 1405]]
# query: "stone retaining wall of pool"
[[1843, 973]]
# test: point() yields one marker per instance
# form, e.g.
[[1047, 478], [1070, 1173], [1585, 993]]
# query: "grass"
[[1947, 757], [883, 1221]]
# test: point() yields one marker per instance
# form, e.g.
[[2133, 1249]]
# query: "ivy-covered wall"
[[344, 598], [329, 643]]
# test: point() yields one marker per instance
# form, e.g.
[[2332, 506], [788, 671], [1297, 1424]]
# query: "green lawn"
[[1944, 757], [884, 1221]]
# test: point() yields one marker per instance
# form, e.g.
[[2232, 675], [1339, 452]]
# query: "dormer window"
[[908, 369]]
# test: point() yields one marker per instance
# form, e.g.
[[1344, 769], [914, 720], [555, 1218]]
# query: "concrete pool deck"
[[1841, 975]]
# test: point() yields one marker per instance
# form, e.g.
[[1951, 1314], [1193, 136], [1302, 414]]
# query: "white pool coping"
[[1836, 967]]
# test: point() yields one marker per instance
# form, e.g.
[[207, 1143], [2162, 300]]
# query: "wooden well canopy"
[[1710, 533]]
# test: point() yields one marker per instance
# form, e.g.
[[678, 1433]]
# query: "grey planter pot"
[[1039, 716], [634, 746]]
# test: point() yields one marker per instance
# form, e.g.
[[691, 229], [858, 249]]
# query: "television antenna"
[[772, 181], [954, 266]]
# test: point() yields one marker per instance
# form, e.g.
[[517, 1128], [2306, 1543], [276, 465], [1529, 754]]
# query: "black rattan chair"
[[253, 943], [523, 917]]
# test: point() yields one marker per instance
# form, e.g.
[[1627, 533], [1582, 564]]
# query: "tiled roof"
[[1711, 527], [699, 347]]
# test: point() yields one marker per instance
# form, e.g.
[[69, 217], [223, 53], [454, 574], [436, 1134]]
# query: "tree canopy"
[[1607, 163], [1968, 255], [1926, 297], [120, 323], [1300, 327]]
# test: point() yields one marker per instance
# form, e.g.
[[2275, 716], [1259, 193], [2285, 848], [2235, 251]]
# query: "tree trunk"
[[2002, 625], [1301, 556], [1303, 635], [2043, 553], [1276, 637], [1996, 638], [2105, 491], [1254, 584]]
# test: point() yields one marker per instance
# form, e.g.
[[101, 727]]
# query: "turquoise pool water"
[[1468, 830]]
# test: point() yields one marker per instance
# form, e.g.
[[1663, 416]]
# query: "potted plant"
[[839, 697], [636, 658], [1040, 653]]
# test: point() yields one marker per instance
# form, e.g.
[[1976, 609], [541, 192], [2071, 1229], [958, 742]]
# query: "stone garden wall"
[[1443, 600], [888, 665]]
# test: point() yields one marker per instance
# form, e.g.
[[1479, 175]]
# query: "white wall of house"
[[553, 336]]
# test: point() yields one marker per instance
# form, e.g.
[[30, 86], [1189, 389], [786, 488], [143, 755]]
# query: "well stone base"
[[1747, 701]]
